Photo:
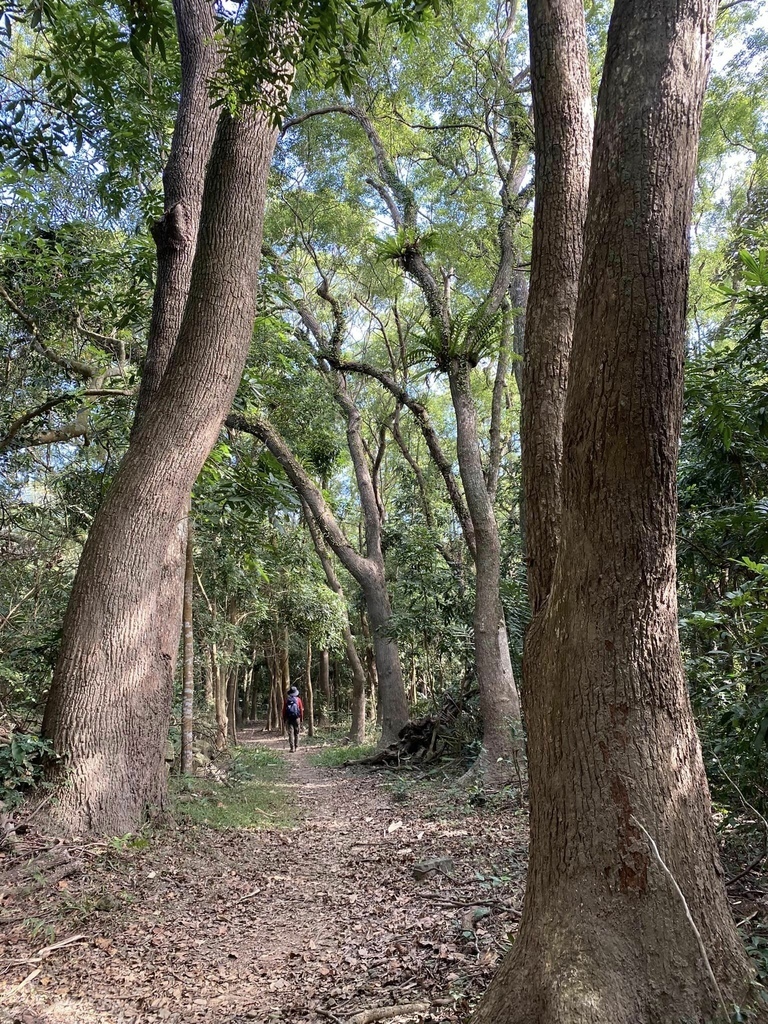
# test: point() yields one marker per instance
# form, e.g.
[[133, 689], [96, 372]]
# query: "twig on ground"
[[30, 977], [41, 954], [52, 878], [40, 806], [689, 916], [46, 950], [330, 1016], [440, 901], [747, 919], [387, 1012], [248, 896]]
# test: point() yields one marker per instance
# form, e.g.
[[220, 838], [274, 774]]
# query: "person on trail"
[[293, 716]]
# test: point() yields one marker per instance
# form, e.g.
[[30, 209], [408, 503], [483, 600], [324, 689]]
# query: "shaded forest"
[[411, 354]]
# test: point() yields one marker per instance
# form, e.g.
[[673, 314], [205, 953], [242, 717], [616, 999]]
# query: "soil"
[[316, 922]]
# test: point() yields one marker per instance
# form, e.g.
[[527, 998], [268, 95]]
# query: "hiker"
[[293, 716]]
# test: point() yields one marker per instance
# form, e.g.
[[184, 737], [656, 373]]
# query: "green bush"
[[21, 766], [334, 757]]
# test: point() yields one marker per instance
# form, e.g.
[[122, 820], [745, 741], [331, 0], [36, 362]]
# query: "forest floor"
[[316, 916]]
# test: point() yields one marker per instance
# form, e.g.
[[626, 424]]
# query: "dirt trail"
[[311, 923]]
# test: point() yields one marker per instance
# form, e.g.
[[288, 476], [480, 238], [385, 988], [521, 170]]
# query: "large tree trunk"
[[392, 698], [562, 104], [175, 234], [107, 712], [175, 237], [613, 749], [188, 675], [499, 700]]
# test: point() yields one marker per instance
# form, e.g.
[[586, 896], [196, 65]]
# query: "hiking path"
[[320, 921]]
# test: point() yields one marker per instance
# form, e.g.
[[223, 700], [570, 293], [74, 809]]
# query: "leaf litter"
[[323, 921]]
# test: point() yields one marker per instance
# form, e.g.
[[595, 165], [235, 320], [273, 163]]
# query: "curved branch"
[[430, 436], [384, 163], [74, 366], [27, 417], [355, 563]]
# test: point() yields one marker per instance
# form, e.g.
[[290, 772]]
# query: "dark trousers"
[[293, 732]]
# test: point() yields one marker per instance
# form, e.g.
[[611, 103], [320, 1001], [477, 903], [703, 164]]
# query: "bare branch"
[[74, 366], [429, 433], [27, 417], [355, 563]]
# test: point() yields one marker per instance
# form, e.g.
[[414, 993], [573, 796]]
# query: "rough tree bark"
[[107, 711], [188, 677], [175, 236], [367, 570], [613, 749], [562, 106]]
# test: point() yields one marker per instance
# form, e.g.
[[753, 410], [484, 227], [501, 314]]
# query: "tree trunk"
[[324, 685], [175, 234], [285, 678], [357, 727], [392, 700], [175, 238], [310, 710], [108, 709], [613, 749], [562, 103], [271, 697], [220, 704], [253, 709], [232, 678], [499, 700], [242, 697], [208, 669], [188, 679]]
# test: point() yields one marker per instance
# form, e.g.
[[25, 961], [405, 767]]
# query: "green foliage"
[[252, 795], [474, 336], [723, 541], [728, 667], [336, 756], [328, 40], [58, 94], [22, 761]]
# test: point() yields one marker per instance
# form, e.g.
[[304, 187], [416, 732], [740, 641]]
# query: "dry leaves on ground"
[[324, 921]]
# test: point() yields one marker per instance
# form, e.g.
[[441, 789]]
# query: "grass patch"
[[248, 794], [333, 757]]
